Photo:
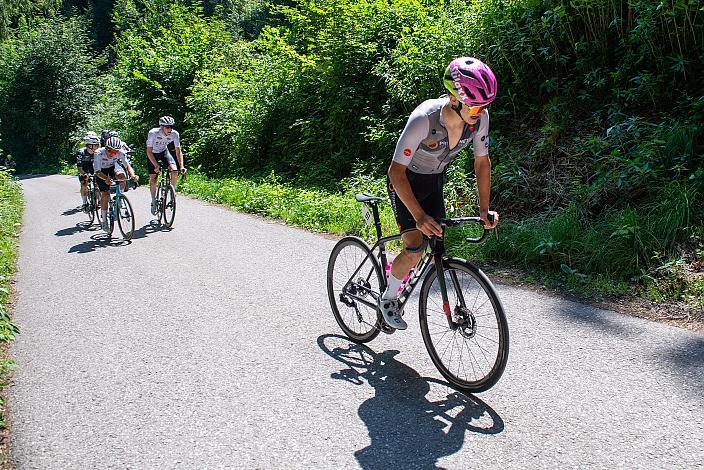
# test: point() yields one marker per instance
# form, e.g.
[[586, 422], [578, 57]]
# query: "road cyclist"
[[436, 131], [158, 155], [84, 161], [110, 162]]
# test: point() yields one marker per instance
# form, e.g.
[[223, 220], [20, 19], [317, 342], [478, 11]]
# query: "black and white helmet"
[[166, 121]]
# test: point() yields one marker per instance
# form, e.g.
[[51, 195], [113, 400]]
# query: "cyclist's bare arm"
[[150, 156], [179, 160], [482, 168], [399, 180], [103, 176]]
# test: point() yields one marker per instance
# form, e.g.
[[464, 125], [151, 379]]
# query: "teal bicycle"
[[119, 210]]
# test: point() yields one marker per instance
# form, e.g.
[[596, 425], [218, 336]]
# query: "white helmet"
[[91, 138], [166, 121]]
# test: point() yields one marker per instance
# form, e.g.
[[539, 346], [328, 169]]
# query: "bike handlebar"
[[459, 221], [120, 180]]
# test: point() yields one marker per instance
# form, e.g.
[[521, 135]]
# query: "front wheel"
[[168, 207], [354, 284], [125, 217], [470, 350]]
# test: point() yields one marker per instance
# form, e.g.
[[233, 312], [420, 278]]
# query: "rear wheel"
[[353, 292], [472, 352], [125, 218]]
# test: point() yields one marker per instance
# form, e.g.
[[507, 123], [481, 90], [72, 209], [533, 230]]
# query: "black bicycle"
[[166, 198], [92, 207], [461, 317]]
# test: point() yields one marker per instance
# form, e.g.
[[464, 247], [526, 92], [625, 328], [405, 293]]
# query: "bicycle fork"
[[438, 248]]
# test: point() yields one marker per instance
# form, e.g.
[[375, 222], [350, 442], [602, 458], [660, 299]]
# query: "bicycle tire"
[[470, 331], [96, 206], [125, 218], [360, 326], [168, 206], [90, 205]]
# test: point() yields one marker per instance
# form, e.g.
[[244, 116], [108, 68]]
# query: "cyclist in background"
[[84, 161], [104, 136], [158, 154], [110, 162], [436, 131]]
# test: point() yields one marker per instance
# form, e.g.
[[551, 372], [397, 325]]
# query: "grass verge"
[[10, 221], [545, 250]]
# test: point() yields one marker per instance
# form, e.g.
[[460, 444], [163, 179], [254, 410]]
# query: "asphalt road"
[[213, 346]]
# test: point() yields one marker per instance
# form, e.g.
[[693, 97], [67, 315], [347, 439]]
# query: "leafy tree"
[[47, 85], [160, 52], [15, 12]]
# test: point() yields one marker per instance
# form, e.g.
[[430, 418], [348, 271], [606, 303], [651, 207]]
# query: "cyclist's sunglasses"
[[475, 111], [165, 125], [92, 146]]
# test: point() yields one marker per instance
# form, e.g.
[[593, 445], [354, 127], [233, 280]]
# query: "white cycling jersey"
[[159, 141], [102, 160], [424, 145]]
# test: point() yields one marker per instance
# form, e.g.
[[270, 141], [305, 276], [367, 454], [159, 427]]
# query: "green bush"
[[47, 85], [161, 48], [10, 219]]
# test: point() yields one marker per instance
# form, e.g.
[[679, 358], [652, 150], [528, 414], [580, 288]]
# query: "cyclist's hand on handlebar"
[[429, 226], [183, 170], [157, 169], [135, 178], [109, 181], [489, 222]]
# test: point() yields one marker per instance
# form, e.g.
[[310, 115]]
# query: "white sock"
[[391, 291], [85, 198]]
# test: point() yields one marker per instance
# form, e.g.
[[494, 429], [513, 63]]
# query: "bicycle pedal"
[[387, 329]]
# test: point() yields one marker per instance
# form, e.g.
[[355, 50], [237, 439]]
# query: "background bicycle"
[[461, 317], [93, 204], [165, 198]]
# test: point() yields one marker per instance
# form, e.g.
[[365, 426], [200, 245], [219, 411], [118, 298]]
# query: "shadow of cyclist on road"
[[407, 428], [97, 241], [151, 227]]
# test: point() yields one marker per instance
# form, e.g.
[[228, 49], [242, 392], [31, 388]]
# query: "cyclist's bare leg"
[[122, 183], [408, 259], [104, 197], [152, 185], [84, 187], [174, 175]]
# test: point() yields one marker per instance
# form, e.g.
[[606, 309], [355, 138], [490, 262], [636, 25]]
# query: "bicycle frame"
[[114, 200], [435, 256]]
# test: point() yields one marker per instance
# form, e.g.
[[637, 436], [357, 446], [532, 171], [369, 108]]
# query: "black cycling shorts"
[[102, 185], [87, 167], [162, 158], [427, 190]]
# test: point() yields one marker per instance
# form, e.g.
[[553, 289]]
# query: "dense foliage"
[[597, 134], [47, 89]]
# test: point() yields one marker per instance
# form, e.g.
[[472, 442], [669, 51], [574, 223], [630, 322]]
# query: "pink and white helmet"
[[471, 81]]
